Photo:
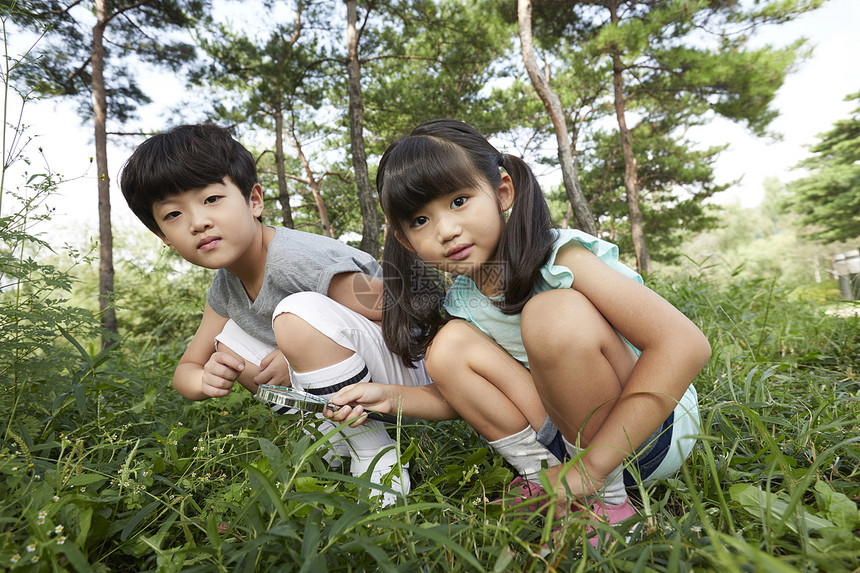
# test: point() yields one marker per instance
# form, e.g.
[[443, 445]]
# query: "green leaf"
[[273, 453], [838, 507], [137, 519], [772, 510], [86, 479], [311, 537]]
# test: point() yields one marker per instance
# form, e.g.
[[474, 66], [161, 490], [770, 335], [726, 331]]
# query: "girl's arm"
[[423, 402], [674, 351]]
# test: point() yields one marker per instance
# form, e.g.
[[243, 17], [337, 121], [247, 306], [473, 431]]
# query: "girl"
[[559, 351]]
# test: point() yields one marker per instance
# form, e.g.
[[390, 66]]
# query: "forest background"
[[611, 101]]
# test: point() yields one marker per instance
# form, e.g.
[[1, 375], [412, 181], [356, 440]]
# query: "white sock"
[[524, 453], [613, 491], [365, 441]]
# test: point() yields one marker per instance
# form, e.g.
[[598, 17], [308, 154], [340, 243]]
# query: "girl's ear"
[[505, 192], [403, 241], [255, 200]]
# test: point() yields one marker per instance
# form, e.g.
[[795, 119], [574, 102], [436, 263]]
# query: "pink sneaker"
[[607, 513], [520, 491]]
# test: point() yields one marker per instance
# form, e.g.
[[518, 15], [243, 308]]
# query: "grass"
[[104, 468]]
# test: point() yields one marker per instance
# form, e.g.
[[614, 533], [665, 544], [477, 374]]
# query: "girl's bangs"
[[421, 169]]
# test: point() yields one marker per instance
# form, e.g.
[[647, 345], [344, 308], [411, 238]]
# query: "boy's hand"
[[220, 373], [355, 398], [274, 370]]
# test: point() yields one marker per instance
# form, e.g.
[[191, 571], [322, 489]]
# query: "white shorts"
[[344, 326]]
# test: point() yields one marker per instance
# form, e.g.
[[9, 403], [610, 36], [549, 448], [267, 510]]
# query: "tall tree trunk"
[[283, 192], [108, 313], [314, 185], [366, 201], [552, 103], [631, 177]]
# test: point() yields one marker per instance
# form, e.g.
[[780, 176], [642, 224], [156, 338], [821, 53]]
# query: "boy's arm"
[[202, 372], [359, 292]]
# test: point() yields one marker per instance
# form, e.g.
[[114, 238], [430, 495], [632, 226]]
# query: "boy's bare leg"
[[305, 347]]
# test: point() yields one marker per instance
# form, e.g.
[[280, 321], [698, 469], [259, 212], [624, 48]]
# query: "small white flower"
[[31, 548], [61, 540], [59, 529], [56, 498], [15, 558]]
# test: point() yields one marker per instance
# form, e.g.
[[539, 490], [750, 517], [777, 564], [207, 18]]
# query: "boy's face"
[[212, 227]]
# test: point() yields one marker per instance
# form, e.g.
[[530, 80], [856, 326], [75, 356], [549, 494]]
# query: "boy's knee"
[[290, 328], [305, 347]]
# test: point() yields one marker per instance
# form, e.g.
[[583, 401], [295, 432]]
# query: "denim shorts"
[[656, 458]]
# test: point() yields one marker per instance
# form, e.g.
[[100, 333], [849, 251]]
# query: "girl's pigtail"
[[526, 239], [413, 296]]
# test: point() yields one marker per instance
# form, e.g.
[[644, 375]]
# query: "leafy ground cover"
[[104, 468]]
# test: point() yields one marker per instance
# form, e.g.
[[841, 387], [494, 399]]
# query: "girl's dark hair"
[[184, 158], [438, 158]]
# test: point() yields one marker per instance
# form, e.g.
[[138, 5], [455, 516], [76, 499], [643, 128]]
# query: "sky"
[[810, 101]]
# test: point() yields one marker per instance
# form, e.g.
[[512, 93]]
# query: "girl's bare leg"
[[580, 365], [578, 362], [487, 387], [494, 393]]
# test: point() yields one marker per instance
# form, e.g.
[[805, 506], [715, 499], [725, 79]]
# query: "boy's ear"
[[255, 200], [505, 192], [163, 238], [403, 241]]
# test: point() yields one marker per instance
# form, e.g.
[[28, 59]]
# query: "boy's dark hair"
[[181, 159], [438, 158]]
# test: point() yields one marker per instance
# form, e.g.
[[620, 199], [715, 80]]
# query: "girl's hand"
[[573, 485], [355, 398], [274, 370]]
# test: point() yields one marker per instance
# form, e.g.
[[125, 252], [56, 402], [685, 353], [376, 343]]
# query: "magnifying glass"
[[294, 398]]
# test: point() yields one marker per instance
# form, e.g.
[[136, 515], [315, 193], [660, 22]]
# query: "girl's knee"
[[449, 350], [557, 320]]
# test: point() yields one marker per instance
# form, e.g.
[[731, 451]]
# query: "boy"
[[285, 307]]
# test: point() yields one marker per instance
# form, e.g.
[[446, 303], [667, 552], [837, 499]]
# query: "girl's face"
[[459, 232]]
